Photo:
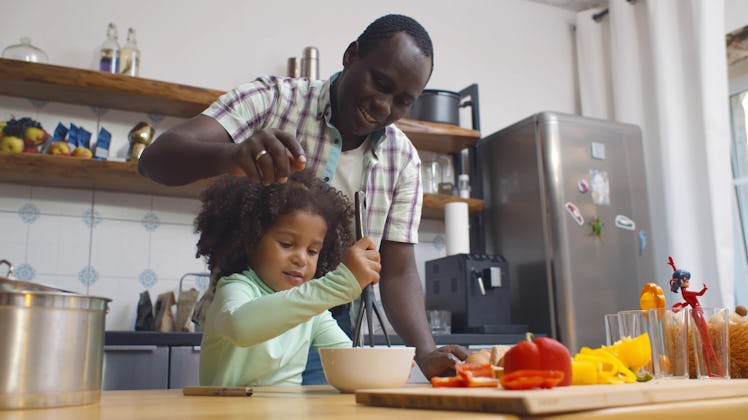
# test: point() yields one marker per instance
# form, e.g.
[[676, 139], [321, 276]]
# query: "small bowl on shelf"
[[351, 369]]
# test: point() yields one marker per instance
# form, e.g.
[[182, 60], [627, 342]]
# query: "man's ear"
[[351, 54]]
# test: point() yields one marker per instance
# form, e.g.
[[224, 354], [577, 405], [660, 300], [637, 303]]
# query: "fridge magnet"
[[600, 187], [623, 222], [573, 210], [598, 150], [642, 242], [597, 227], [583, 186]]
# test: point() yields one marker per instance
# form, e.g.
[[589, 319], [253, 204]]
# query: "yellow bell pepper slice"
[[583, 372], [610, 369], [635, 353]]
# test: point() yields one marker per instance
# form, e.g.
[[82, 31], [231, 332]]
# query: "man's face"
[[379, 88]]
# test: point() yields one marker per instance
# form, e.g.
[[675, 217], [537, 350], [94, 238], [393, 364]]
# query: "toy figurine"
[[680, 280]]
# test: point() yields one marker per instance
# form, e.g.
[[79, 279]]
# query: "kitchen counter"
[[323, 402], [153, 338]]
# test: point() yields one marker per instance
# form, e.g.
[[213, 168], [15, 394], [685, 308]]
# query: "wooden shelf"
[[96, 88], [116, 91], [94, 174], [105, 175]]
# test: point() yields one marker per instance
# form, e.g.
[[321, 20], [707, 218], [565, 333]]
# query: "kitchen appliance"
[[475, 289], [53, 345], [566, 205]]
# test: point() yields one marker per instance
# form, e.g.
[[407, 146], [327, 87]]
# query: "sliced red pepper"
[[448, 382], [478, 370], [481, 381], [532, 378]]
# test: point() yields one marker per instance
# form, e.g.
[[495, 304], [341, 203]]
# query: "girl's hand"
[[362, 259]]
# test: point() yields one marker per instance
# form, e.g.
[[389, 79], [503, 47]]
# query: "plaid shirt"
[[391, 167]]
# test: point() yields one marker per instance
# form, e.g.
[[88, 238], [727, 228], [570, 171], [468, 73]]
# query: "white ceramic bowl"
[[349, 369]]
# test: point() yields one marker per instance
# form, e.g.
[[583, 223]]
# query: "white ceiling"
[[574, 5]]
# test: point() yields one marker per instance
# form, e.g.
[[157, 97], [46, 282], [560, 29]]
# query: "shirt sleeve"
[[244, 109], [246, 316], [404, 215], [327, 333]]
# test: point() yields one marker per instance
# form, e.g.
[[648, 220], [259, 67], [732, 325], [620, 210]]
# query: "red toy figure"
[[680, 280]]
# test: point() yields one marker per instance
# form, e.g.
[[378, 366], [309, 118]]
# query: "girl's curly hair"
[[237, 211]]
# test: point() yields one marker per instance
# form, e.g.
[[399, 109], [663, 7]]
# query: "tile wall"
[[109, 244]]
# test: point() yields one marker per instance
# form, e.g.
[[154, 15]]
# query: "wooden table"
[[323, 402]]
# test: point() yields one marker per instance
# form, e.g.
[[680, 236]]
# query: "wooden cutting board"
[[556, 400]]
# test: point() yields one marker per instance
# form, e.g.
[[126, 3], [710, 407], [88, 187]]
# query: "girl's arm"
[[247, 319]]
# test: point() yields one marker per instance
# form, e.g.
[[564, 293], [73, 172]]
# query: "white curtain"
[[661, 64]]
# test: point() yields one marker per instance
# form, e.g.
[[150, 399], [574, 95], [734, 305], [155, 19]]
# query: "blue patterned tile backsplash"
[[116, 245], [99, 243]]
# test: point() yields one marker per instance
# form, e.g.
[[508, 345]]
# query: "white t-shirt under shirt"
[[349, 172]]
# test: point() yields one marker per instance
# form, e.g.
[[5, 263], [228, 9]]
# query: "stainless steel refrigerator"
[[566, 205]]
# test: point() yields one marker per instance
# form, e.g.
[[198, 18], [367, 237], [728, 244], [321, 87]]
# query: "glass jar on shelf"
[[25, 51]]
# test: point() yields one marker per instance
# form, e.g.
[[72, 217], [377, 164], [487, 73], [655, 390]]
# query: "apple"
[[59, 148], [31, 149], [35, 136], [82, 152], [11, 144]]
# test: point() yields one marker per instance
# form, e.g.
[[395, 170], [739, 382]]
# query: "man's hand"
[[441, 362], [270, 155], [362, 259]]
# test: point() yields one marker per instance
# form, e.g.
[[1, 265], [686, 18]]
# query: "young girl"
[[283, 256]]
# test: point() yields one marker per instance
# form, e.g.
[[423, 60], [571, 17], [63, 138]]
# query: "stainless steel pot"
[[53, 345], [443, 106]]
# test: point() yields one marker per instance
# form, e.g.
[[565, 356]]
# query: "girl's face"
[[287, 254]]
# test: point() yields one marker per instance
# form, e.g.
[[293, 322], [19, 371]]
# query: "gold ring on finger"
[[262, 153]]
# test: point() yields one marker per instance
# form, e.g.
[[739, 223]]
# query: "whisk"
[[367, 295]]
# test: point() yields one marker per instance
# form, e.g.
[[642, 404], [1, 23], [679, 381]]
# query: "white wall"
[[520, 53]]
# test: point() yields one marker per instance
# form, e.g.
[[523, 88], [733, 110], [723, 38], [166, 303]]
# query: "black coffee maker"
[[475, 289]]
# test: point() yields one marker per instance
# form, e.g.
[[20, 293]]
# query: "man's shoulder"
[[396, 139]]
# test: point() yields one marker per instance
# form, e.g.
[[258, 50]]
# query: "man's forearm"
[[169, 163], [195, 149], [404, 304]]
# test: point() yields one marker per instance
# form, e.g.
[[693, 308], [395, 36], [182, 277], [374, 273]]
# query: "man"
[[343, 129]]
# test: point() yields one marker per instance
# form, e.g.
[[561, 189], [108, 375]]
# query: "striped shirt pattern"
[[301, 107]]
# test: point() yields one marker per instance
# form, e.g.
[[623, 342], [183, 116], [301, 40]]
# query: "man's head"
[[387, 26], [384, 72]]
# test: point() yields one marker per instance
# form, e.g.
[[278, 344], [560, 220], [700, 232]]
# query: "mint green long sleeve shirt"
[[254, 336]]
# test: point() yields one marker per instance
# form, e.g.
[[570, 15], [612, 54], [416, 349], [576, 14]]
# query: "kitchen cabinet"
[[100, 89], [135, 367], [184, 366]]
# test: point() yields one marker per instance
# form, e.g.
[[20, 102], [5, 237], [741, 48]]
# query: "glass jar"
[[25, 51]]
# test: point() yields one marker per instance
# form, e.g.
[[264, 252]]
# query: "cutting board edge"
[[559, 400]]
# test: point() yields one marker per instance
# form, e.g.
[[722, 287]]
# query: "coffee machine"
[[475, 289]]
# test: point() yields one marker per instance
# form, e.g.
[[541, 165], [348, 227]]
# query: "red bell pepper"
[[468, 375], [542, 353], [530, 379]]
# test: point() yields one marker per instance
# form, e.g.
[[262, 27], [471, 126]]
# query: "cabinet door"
[[135, 367], [184, 366]]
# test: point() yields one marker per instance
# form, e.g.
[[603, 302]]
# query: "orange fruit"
[[651, 297]]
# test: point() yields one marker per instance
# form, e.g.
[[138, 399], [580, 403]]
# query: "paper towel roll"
[[457, 228]]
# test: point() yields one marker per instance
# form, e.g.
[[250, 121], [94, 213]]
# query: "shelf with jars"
[[106, 90]]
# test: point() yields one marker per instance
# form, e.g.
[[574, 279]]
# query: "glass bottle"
[[25, 52], [109, 50], [129, 56]]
